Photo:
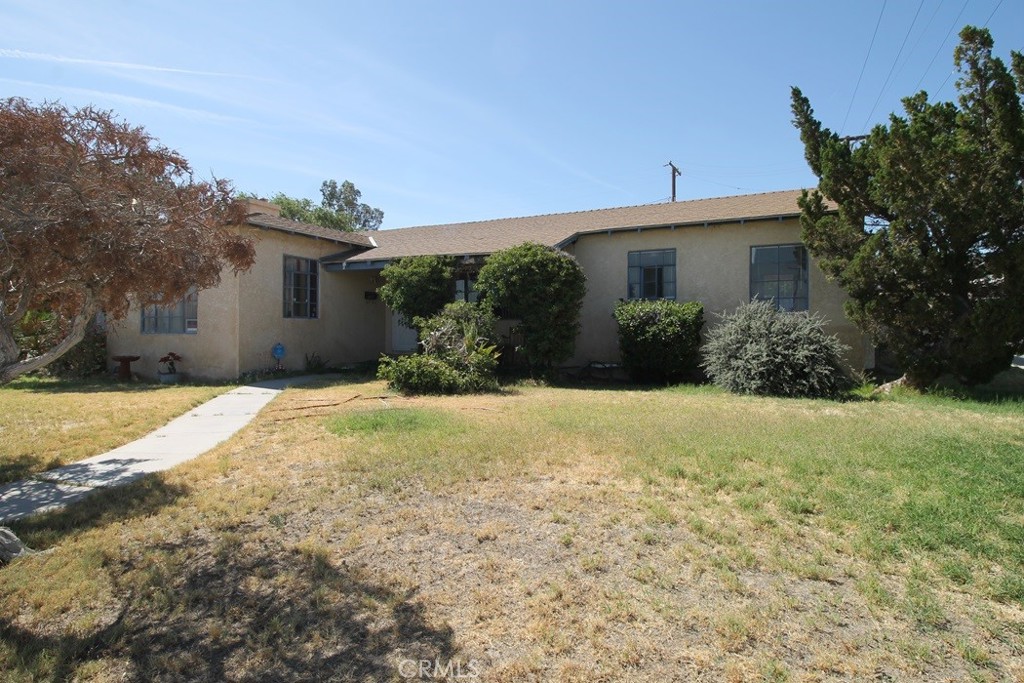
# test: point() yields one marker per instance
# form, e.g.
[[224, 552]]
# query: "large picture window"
[[301, 287], [181, 317], [779, 273], [652, 274]]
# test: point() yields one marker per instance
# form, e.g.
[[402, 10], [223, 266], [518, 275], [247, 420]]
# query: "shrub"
[[543, 288], [458, 324], [659, 340], [458, 355], [760, 350], [418, 286], [429, 374]]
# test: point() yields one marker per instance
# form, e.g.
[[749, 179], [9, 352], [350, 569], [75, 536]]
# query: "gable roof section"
[[270, 222], [486, 237]]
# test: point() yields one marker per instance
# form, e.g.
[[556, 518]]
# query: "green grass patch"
[[929, 474], [389, 421]]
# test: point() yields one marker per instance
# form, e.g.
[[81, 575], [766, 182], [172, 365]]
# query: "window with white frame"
[[301, 287], [181, 317], [779, 272], [652, 274]]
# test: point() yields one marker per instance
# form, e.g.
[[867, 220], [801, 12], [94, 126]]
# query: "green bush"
[[543, 288], [423, 373], [418, 287], [458, 355], [659, 340], [760, 350]]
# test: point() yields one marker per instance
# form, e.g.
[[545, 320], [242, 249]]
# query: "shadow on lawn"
[[138, 499], [22, 467], [46, 385], [231, 614]]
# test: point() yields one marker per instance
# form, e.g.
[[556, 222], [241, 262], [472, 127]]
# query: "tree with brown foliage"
[[96, 215]]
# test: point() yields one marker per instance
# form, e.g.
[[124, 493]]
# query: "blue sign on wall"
[[278, 351]]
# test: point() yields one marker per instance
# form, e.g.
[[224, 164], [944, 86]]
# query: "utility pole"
[[675, 174], [852, 140]]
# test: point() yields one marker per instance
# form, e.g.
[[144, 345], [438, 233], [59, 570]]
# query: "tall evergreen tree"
[[929, 236]]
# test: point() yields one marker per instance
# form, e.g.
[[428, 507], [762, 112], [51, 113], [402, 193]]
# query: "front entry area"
[[403, 339]]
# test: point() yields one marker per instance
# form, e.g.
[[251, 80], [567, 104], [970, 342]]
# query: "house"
[[313, 290]]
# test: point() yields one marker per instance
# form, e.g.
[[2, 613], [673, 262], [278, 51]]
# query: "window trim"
[[807, 276], [660, 275], [179, 310], [311, 288]]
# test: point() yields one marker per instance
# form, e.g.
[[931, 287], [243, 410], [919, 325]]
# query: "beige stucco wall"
[[712, 267], [212, 352], [349, 328], [242, 319]]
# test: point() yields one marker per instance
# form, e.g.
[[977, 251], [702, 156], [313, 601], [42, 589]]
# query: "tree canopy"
[[418, 287], [94, 215], [928, 239], [339, 208], [544, 289]]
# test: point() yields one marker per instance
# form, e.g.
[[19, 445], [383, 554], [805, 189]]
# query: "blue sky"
[[455, 111]]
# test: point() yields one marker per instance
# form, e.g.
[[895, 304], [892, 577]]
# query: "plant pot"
[[168, 378]]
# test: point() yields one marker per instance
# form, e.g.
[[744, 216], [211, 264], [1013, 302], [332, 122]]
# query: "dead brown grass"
[[46, 423], [483, 535]]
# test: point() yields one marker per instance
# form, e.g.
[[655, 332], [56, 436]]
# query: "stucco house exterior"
[[313, 290]]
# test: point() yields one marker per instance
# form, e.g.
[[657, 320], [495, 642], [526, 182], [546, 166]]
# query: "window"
[[465, 288], [780, 273], [301, 287], [652, 274], [181, 317]]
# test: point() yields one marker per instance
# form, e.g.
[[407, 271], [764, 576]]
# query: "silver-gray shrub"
[[758, 349]]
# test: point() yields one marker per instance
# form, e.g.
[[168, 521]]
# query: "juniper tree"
[[928, 240]]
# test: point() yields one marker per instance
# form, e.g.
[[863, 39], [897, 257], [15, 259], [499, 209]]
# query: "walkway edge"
[[182, 439]]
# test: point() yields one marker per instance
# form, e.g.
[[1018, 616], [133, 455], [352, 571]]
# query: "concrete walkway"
[[181, 439]]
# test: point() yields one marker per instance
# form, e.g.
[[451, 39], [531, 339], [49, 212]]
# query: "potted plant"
[[169, 373]]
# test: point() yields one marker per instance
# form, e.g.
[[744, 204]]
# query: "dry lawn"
[[47, 423], [546, 535]]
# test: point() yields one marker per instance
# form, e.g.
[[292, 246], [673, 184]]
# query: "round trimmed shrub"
[[759, 349], [543, 288], [659, 340]]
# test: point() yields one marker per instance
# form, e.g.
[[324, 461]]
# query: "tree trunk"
[[919, 382], [12, 367], [889, 386], [11, 546]]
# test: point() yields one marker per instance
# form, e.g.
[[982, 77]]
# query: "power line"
[[985, 25], [941, 45], [998, 5], [893, 67], [863, 66], [924, 33]]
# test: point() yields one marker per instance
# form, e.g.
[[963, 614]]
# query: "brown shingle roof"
[[267, 221], [485, 237]]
